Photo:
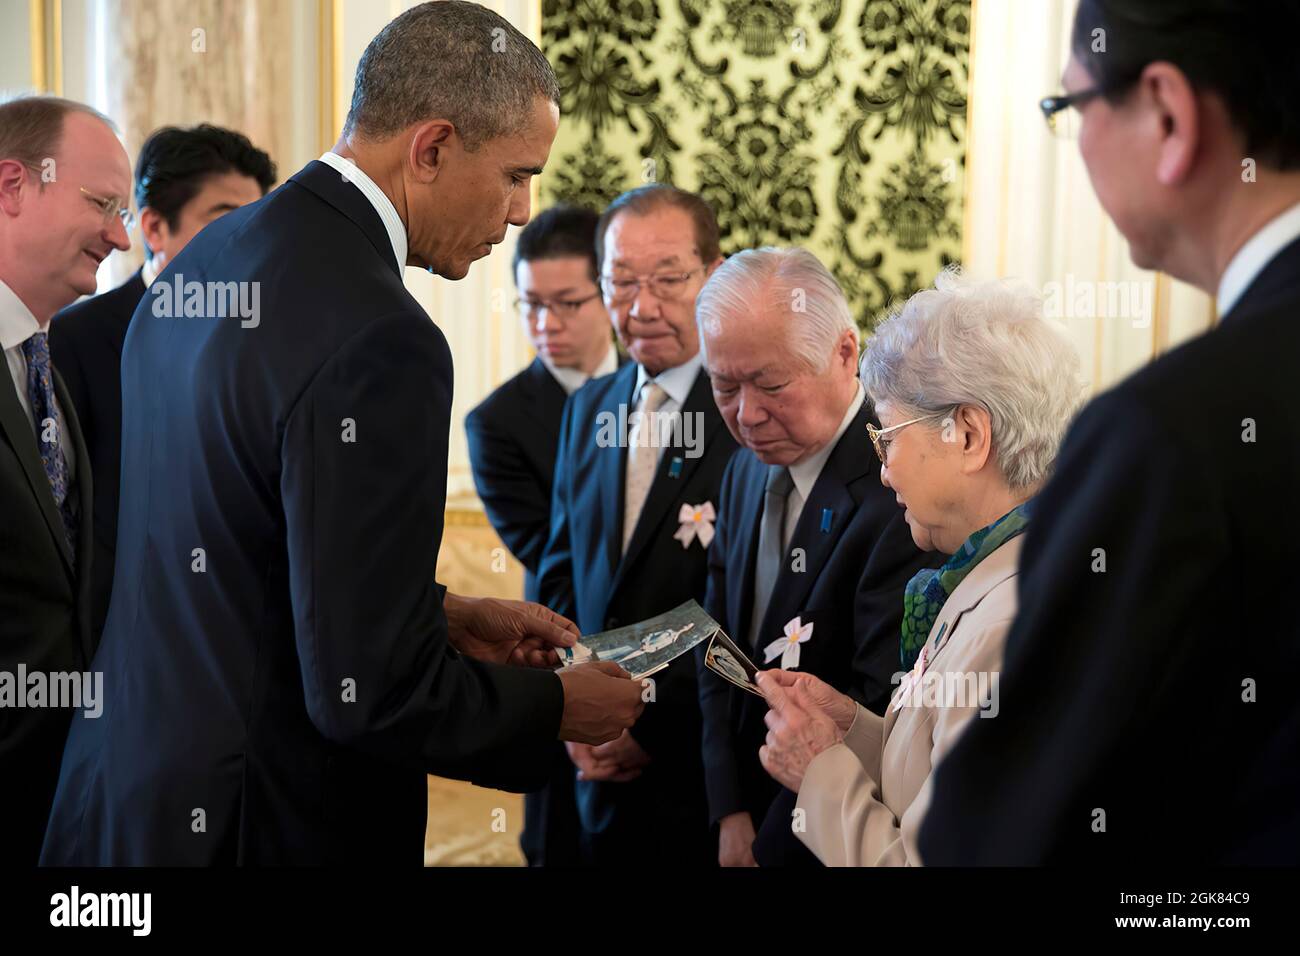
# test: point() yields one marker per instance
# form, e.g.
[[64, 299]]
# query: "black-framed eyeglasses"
[[560, 308], [112, 209], [1061, 120]]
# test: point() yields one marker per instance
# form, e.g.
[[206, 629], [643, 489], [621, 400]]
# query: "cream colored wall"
[[1030, 210]]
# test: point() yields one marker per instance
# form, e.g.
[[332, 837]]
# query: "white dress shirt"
[[393, 225], [805, 473], [677, 382], [17, 325], [572, 379], [1251, 258]]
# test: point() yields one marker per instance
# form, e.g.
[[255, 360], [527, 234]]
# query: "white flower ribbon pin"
[[696, 522], [787, 646]]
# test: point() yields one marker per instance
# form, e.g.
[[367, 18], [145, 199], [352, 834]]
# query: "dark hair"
[[646, 199], [452, 60], [174, 162], [31, 127], [1245, 53], [558, 233]]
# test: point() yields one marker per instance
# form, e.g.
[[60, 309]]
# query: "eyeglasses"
[[881, 443], [112, 209], [562, 309], [1063, 121], [667, 286]]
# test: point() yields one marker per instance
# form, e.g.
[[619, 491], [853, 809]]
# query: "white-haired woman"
[[974, 390]]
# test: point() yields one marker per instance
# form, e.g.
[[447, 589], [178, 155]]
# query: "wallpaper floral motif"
[[837, 125]]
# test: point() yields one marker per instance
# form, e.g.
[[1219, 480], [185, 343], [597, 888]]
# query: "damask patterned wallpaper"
[[837, 125]]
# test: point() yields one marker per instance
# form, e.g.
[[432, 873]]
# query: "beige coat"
[[864, 799]]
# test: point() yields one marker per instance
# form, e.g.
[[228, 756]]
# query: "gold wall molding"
[[329, 57], [46, 33]]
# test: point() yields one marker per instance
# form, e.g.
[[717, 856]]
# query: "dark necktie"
[[49, 429], [771, 545]]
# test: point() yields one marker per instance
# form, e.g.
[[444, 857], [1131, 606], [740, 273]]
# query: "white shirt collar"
[[17, 324], [1259, 251], [149, 271], [677, 382], [383, 205], [572, 379], [806, 472]]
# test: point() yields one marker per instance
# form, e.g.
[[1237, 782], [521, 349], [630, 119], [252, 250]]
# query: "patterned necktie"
[[642, 456], [49, 429], [771, 545]]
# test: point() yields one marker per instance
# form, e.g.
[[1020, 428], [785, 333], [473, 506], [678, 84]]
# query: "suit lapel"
[[18, 429], [749, 517], [830, 506], [665, 490]]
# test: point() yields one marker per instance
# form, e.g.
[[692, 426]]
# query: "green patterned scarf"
[[926, 593]]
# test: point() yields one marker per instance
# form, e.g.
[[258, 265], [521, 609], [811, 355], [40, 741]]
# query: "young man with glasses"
[[514, 432], [64, 179], [616, 553]]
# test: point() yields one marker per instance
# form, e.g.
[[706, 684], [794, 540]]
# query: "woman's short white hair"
[[792, 280], [986, 344]]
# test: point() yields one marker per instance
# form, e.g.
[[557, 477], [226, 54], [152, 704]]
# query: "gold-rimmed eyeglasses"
[[881, 443], [667, 286], [112, 209]]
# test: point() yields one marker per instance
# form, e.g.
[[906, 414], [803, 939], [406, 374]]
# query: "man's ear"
[[847, 349], [430, 143], [14, 186], [153, 229], [1175, 102]]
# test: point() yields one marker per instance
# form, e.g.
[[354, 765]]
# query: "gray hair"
[[984, 344], [450, 60], [792, 281], [31, 127]]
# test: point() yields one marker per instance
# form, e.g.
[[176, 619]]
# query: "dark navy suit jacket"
[[278, 677], [513, 434], [1162, 689], [662, 814], [851, 556], [86, 345]]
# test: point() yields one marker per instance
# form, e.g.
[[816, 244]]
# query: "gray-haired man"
[[811, 552]]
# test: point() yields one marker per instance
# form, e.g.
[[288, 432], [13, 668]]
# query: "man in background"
[[65, 184], [184, 179], [513, 436]]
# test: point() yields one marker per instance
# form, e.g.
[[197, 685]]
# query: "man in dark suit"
[[807, 536], [514, 431], [293, 669], [513, 435], [1148, 704], [64, 177], [640, 466], [184, 179]]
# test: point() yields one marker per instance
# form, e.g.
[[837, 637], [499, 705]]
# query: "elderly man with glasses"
[[639, 469]]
